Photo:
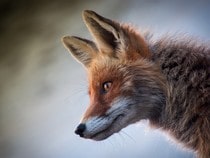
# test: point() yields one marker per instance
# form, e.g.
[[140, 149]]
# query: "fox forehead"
[[106, 69], [101, 67]]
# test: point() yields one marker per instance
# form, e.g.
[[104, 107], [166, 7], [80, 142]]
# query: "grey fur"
[[186, 114]]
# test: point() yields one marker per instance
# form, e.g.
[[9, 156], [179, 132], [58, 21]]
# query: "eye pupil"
[[106, 86]]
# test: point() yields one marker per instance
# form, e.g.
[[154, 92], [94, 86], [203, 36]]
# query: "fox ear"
[[81, 49], [112, 37], [105, 31]]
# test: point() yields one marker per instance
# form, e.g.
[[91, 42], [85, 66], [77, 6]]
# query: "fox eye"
[[106, 86]]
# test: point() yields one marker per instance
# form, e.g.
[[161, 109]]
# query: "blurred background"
[[43, 91]]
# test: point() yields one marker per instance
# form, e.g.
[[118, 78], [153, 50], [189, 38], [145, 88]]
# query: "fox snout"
[[103, 126]]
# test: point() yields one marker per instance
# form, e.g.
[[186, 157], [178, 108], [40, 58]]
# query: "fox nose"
[[80, 129]]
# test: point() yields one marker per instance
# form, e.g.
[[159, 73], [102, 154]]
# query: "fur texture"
[[186, 115], [166, 82]]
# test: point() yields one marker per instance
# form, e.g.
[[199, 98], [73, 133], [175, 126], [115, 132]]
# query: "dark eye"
[[106, 86]]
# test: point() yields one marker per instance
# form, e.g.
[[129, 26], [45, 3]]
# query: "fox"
[[133, 78]]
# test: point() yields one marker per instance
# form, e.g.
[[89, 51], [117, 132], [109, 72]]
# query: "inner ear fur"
[[81, 49]]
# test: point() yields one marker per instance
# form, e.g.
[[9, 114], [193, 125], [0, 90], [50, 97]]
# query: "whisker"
[[126, 134], [123, 139], [121, 136], [111, 142], [76, 93]]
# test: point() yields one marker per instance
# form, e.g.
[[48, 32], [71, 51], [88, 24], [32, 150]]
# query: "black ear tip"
[[64, 38], [68, 41], [88, 12]]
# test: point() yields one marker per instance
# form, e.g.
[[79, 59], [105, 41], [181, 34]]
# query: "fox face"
[[117, 99], [124, 85]]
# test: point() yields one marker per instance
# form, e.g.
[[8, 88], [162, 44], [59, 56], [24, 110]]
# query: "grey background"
[[43, 91]]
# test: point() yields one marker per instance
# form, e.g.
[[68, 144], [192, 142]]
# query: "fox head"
[[125, 86]]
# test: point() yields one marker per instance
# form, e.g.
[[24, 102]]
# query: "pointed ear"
[[81, 49], [112, 37]]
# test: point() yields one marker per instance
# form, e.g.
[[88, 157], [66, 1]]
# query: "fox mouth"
[[111, 129]]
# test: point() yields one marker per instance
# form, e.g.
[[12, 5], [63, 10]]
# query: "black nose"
[[80, 129]]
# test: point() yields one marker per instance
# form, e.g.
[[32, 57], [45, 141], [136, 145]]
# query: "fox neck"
[[150, 91]]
